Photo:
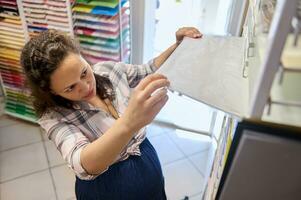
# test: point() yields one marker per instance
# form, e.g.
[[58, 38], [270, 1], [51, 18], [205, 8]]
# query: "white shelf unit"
[[233, 74], [266, 50], [227, 72], [280, 27]]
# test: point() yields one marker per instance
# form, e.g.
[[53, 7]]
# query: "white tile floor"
[[31, 168]]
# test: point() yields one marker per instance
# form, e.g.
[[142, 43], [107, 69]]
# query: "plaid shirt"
[[73, 129]]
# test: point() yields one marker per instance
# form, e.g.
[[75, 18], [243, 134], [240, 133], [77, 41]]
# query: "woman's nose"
[[84, 86]]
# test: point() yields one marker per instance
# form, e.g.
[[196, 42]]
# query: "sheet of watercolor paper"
[[210, 70]]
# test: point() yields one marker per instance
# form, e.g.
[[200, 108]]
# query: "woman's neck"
[[104, 104], [94, 100]]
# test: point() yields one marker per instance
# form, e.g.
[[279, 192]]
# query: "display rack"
[[235, 74], [13, 35], [276, 39], [263, 49], [224, 142], [291, 56], [242, 85], [42, 15], [102, 28], [290, 66]]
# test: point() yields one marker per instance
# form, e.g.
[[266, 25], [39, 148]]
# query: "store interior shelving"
[[12, 39], [267, 45], [101, 27]]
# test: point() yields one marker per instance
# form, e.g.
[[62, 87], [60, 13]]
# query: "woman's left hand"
[[187, 32]]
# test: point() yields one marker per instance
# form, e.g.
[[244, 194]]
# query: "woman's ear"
[[53, 92]]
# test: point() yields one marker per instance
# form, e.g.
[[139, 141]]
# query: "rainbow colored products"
[[41, 15], [102, 34], [12, 39], [101, 27]]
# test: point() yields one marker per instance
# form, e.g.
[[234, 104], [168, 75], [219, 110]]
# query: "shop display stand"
[[34, 16], [267, 49], [13, 35]]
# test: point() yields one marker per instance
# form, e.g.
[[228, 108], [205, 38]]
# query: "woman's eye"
[[70, 89], [84, 73]]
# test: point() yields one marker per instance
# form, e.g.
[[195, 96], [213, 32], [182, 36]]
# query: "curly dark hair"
[[40, 57]]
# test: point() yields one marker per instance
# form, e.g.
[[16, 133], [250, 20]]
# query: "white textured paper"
[[210, 70]]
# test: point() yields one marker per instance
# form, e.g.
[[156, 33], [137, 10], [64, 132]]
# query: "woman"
[[95, 118]]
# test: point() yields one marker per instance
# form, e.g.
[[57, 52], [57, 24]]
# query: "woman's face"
[[73, 79]]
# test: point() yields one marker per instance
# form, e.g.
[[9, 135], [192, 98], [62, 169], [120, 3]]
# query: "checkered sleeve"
[[133, 73], [70, 141]]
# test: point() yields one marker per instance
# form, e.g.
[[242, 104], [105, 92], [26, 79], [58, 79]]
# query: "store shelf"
[[103, 29], [101, 37], [21, 116]]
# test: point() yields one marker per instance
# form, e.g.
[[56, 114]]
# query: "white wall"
[[142, 30]]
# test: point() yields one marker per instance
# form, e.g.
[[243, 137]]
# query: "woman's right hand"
[[144, 105]]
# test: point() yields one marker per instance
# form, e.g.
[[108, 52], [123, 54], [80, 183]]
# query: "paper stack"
[[12, 39], [102, 35]]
